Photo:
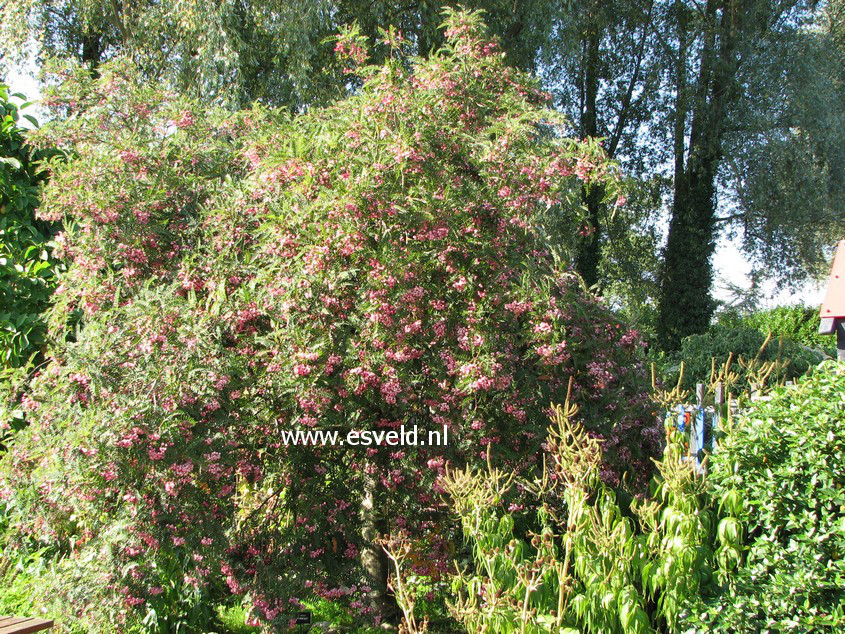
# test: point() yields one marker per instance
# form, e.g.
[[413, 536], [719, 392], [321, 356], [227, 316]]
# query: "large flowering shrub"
[[364, 266]]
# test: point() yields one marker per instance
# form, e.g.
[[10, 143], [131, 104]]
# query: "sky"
[[729, 264]]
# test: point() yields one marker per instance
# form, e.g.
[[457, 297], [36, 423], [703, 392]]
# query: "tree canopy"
[[726, 115], [238, 51]]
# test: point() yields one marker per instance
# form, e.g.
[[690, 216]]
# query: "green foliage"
[[637, 74], [592, 563], [278, 52], [17, 574], [27, 270], [756, 546], [630, 255], [798, 323], [243, 278], [763, 154], [234, 620], [738, 348], [23, 566], [787, 152], [601, 63], [231, 52], [13, 382], [781, 472]]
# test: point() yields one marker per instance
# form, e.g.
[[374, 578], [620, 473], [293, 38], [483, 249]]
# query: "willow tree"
[[748, 149], [238, 51]]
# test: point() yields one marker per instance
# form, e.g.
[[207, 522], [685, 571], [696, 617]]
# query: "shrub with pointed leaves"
[[367, 265], [588, 562], [779, 477]]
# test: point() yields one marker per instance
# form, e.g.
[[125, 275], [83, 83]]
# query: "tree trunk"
[[588, 255], [373, 558], [589, 248], [92, 52], [685, 302]]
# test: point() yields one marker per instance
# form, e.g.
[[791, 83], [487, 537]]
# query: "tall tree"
[[232, 52], [785, 167], [238, 51], [718, 48], [599, 62]]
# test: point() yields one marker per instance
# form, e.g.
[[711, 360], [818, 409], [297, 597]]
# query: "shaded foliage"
[[704, 353], [27, 270], [798, 323], [592, 560]]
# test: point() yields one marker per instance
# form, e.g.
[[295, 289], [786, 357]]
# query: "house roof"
[[834, 299]]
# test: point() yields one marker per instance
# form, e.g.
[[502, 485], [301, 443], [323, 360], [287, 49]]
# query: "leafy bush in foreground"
[[27, 269], [781, 472], [593, 563], [755, 546]]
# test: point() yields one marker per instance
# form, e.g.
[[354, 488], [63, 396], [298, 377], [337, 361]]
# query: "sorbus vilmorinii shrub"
[[360, 267]]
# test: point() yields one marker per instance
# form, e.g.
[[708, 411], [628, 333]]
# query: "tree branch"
[[625, 108]]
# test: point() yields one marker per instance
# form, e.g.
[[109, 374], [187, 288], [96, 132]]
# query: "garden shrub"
[[699, 353], [592, 563], [27, 270], [360, 267], [754, 546], [781, 472], [27, 278], [798, 323]]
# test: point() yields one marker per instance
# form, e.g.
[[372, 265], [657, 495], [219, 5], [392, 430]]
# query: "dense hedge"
[[798, 323], [740, 344], [781, 473]]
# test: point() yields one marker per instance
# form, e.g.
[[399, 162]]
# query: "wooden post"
[[696, 441], [719, 397]]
